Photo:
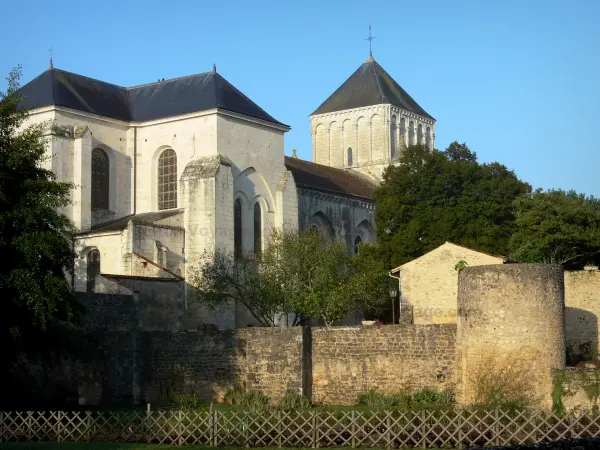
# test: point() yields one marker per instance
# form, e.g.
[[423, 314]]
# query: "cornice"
[[357, 202]]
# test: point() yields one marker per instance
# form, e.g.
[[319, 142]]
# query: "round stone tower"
[[510, 327]]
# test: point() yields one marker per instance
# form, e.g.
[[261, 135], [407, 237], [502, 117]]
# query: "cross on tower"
[[51, 50], [370, 39]]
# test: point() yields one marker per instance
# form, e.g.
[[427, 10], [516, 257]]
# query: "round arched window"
[[167, 180]]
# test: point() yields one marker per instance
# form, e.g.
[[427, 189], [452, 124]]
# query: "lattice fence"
[[300, 428]]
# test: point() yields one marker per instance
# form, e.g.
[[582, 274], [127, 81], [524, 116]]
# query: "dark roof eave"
[[111, 276], [338, 193]]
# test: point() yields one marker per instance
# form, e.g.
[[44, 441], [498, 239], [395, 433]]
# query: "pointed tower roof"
[[369, 85]]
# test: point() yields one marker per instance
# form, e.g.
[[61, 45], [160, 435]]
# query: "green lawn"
[[93, 446]]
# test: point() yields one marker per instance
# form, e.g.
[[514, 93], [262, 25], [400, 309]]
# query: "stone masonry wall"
[[332, 366], [582, 301], [350, 361], [210, 361]]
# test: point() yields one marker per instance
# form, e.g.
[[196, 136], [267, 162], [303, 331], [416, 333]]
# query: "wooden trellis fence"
[[300, 428]]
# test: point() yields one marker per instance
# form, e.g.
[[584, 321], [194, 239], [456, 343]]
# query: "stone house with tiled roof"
[[167, 170]]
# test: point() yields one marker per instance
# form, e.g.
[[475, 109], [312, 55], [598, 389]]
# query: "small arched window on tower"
[[237, 228], [357, 241], [411, 133], [420, 134], [257, 230], [428, 138], [350, 162], [100, 174], [93, 269], [393, 129], [167, 180]]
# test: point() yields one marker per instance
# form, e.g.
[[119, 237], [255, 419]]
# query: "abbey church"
[[166, 171]]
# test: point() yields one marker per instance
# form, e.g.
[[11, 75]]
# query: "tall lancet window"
[[428, 138], [237, 228], [393, 130], [100, 174], [93, 269], [411, 133], [257, 230], [350, 162], [403, 131], [420, 135], [167, 180]]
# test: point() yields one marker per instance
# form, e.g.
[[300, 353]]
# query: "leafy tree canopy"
[[34, 237], [438, 196], [219, 277], [299, 273], [320, 279], [557, 227]]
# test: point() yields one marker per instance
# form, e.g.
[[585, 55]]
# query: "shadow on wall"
[[581, 335], [205, 363]]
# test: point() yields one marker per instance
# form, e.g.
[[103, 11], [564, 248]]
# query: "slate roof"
[[158, 100], [369, 85], [121, 223], [318, 177]]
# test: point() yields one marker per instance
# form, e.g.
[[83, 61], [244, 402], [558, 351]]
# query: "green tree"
[[557, 227], [438, 196], [320, 279], [34, 237], [219, 277], [299, 273]]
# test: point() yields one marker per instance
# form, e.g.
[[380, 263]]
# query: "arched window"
[[403, 130], [428, 138], [257, 229], [420, 134], [100, 174], [167, 180], [393, 136], [357, 241], [411, 133], [93, 269], [237, 228], [349, 156]]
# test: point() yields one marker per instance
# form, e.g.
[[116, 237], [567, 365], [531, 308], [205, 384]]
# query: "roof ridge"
[[337, 169], [89, 78], [52, 84], [377, 80], [165, 81]]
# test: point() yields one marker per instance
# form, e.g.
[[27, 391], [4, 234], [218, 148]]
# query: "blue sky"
[[518, 81]]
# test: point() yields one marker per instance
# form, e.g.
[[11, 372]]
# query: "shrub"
[[188, 401], [378, 400], [244, 397], [431, 397], [292, 400], [505, 382]]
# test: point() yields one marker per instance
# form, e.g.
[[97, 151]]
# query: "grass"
[[96, 446]]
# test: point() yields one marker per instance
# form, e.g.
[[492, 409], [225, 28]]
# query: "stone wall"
[[582, 301], [353, 360], [510, 321], [210, 361], [136, 362], [429, 284]]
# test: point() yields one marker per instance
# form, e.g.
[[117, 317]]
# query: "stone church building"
[[167, 170]]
